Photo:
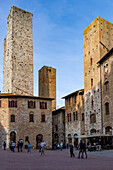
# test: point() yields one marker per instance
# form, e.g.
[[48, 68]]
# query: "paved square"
[[55, 160]]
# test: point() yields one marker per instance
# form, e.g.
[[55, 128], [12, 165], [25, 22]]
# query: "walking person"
[[84, 149], [13, 146], [80, 150], [28, 146], [4, 145], [71, 151], [18, 146], [43, 144]]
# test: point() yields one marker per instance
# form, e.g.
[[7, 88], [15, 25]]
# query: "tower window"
[[91, 60], [91, 82], [107, 108], [0, 103]]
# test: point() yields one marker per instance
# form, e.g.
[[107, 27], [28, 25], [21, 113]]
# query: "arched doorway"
[[75, 140], [69, 139], [13, 136], [38, 140]]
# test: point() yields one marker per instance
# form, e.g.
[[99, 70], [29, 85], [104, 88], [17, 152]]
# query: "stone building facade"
[[58, 126], [74, 117], [25, 118], [18, 53], [106, 72], [97, 40], [47, 83]]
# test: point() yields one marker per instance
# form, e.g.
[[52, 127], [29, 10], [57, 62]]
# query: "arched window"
[[12, 118], [31, 117], [108, 130], [75, 135], [92, 131], [93, 118], [107, 108]]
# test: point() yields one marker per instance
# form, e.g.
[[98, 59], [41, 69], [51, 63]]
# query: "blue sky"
[[57, 37]]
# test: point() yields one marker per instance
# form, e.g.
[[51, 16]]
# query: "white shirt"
[[43, 144]]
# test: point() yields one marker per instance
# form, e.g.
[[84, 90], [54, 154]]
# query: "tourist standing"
[[4, 145], [21, 146], [71, 151], [84, 148], [18, 146], [28, 146], [61, 146], [80, 150], [43, 144]]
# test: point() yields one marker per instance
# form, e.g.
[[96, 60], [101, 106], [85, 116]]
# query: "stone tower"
[[47, 84], [18, 53], [98, 40]]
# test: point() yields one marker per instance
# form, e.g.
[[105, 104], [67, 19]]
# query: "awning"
[[93, 136]]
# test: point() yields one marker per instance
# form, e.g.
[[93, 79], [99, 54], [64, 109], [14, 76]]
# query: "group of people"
[[12, 146], [82, 150]]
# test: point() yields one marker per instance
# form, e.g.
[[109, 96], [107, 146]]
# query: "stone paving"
[[55, 160]]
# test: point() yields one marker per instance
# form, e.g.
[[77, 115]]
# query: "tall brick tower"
[[18, 53], [47, 84], [98, 40]]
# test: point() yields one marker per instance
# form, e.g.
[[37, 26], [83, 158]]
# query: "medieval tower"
[[98, 40], [47, 84], [18, 53]]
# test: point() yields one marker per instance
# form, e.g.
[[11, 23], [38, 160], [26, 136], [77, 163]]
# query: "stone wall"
[[18, 53]]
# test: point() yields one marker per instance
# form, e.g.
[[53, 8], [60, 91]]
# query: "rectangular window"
[[31, 118], [43, 118], [31, 104], [43, 105], [12, 103], [0, 103]]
